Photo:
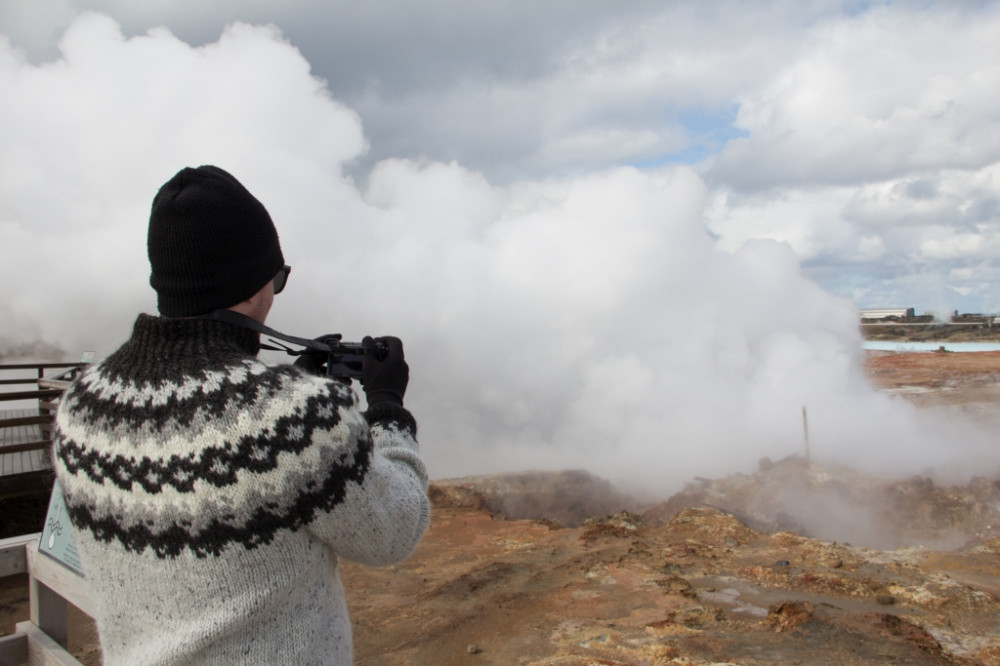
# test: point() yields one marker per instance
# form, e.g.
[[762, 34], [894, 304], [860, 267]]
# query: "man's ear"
[[257, 306], [245, 306]]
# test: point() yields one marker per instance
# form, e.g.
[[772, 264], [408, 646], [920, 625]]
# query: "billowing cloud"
[[892, 92], [584, 320], [88, 138]]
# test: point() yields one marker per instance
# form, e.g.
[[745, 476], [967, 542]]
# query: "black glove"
[[384, 373], [313, 361]]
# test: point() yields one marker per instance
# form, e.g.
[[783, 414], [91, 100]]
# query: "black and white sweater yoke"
[[211, 496]]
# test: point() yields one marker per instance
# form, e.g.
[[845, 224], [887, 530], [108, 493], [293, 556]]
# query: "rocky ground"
[[936, 332], [563, 569], [513, 571], [703, 588]]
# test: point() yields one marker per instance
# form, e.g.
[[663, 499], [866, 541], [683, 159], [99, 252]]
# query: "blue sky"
[[648, 191]]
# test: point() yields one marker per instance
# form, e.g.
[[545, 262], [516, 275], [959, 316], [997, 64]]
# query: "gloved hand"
[[313, 361], [384, 376]]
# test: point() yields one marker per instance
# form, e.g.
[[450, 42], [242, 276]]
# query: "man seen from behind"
[[212, 495]]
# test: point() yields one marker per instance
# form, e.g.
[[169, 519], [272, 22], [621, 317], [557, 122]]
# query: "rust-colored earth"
[[955, 370], [715, 575]]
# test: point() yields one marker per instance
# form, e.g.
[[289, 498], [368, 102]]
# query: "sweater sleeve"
[[383, 517]]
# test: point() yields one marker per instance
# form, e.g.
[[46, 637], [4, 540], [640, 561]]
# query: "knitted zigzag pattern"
[[228, 453]]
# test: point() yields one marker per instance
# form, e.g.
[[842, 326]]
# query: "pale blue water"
[[890, 345]]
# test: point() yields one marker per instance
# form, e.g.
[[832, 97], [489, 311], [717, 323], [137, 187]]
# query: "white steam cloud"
[[585, 322]]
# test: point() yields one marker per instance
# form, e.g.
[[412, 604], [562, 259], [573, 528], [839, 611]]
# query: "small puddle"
[[742, 597], [731, 597]]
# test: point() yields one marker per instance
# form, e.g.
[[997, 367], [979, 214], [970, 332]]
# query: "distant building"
[[886, 313], [973, 318]]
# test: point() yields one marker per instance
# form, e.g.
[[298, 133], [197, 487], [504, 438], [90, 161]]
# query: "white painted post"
[[805, 430]]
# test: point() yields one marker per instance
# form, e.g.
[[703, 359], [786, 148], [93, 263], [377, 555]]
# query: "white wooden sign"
[[57, 535]]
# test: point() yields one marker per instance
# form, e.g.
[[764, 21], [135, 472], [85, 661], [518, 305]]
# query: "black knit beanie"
[[211, 243]]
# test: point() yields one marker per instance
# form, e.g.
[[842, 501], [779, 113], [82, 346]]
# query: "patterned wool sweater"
[[211, 496]]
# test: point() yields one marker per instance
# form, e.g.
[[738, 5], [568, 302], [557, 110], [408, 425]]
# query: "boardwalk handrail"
[[43, 638], [28, 366], [69, 369], [29, 431], [41, 394], [48, 387]]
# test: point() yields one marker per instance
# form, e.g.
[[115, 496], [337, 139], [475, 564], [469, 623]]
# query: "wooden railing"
[[42, 639], [47, 388], [26, 435]]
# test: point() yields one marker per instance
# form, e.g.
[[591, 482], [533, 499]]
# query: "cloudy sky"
[[607, 232]]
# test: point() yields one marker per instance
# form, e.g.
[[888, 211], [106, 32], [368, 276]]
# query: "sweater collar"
[[173, 337]]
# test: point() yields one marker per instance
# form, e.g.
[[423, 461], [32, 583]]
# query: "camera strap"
[[236, 319]]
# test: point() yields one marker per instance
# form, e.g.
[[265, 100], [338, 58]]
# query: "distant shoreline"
[[931, 332]]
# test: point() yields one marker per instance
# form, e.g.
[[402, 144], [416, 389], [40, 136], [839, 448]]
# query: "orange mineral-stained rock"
[[700, 588]]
